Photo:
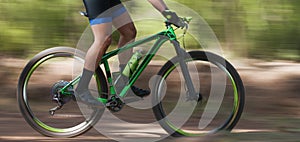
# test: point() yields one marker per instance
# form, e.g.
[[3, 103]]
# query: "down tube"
[[151, 53]]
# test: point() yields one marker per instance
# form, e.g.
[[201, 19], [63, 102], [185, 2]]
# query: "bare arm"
[[171, 16], [159, 5]]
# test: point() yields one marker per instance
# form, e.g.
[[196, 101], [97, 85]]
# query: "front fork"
[[182, 54]]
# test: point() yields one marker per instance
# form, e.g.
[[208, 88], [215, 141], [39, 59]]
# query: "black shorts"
[[103, 11]]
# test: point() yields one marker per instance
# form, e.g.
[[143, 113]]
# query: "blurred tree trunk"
[[234, 27]]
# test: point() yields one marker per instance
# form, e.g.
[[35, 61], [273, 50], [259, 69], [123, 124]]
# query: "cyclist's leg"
[[101, 42], [102, 39], [123, 23], [101, 27], [125, 26]]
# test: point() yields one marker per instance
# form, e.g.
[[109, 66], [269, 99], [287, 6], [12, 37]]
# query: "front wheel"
[[39, 82], [217, 104]]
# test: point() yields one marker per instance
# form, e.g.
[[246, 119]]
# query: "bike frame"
[[161, 38]]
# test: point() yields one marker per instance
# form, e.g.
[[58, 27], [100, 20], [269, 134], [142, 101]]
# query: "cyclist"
[[103, 14]]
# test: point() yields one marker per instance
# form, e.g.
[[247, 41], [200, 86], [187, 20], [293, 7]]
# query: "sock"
[[84, 81]]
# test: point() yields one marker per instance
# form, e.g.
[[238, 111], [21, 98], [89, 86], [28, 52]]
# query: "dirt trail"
[[272, 105]]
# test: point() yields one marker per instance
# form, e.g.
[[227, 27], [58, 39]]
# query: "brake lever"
[[187, 21], [185, 29]]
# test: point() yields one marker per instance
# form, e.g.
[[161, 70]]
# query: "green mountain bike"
[[194, 93]]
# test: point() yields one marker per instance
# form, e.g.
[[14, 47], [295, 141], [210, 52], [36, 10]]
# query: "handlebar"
[[183, 24]]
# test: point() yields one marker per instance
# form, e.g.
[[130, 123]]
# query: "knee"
[[106, 41], [133, 32], [130, 33]]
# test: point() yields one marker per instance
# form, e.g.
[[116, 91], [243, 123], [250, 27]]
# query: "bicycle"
[[191, 67]]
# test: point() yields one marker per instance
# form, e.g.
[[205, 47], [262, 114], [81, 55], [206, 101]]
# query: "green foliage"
[[267, 29], [28, 25], [273, 28]]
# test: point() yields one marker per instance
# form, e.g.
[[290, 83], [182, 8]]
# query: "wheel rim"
[[41, 120], [226, 123]]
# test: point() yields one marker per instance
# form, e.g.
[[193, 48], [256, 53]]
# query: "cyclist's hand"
[[172, 17]]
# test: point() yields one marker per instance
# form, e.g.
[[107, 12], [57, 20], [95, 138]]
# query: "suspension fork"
[[182, 54]]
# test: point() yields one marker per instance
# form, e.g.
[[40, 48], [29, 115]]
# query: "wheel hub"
[[57, 96]]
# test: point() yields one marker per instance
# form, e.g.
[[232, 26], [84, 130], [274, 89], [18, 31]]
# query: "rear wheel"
[[219, 99], [46, 73]]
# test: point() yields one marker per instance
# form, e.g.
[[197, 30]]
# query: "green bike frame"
[[161, 38]]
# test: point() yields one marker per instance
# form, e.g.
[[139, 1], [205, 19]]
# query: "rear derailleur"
[[59, 98]]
